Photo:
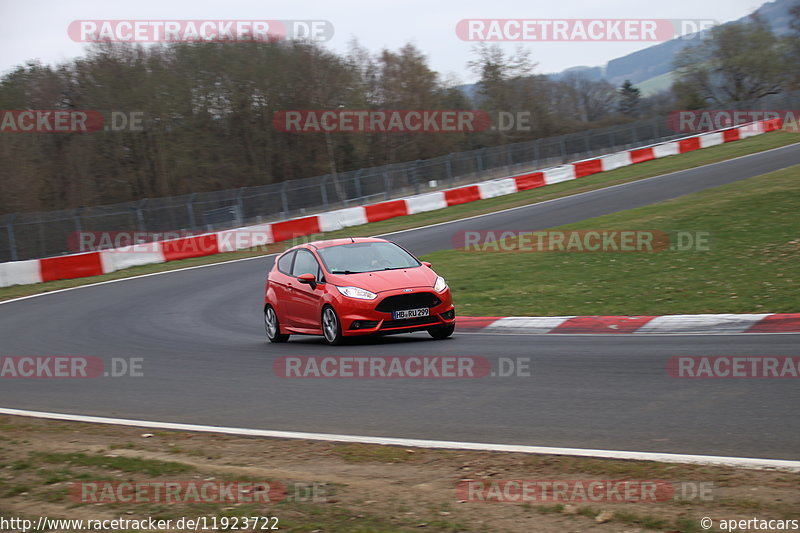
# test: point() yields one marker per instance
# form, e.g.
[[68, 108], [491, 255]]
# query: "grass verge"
[[752, 262]]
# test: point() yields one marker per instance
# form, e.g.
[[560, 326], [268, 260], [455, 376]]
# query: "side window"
[[305, 263], [285, 263]]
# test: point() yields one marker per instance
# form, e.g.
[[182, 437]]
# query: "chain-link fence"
[[36, 235]]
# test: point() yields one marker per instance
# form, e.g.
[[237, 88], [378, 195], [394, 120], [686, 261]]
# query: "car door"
[[305, 298], [280, 280]]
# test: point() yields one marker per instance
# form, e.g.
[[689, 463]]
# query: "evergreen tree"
[[629, 96]]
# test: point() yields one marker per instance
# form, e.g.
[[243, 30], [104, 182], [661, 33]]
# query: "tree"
[[791, 48], [590, 100], [735, 62], [507, 84], [629, 99]]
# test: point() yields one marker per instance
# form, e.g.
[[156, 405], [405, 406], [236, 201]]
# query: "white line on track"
[[740, 462]]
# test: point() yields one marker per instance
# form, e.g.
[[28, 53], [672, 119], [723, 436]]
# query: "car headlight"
[[440, 284], [357, 292]]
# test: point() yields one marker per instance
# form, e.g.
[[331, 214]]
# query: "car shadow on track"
[[375, 340]]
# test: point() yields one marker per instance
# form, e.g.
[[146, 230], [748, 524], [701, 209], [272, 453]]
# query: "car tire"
[[272, 326], [331, 326], [441, 332]]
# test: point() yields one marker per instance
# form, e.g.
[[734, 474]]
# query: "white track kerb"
[[710, 324], [739, 462]]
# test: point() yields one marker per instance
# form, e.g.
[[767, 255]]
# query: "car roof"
[[338, 242]]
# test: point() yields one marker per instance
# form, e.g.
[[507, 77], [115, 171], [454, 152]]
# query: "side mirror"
[[307, 278], [427, 264]]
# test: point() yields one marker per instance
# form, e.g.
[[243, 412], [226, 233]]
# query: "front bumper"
[[360, 317]]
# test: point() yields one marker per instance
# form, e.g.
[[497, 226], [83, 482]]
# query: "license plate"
[[411, 313]]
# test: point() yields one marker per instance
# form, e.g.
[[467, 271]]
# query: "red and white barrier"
[[559, 174], [20, 273], [244, 238], [500, 187], [639, 325], [425, 202], [615, 161], [343, 218], [130, 256], [666, 149], [96, 263], [711, 139], [386, 210]]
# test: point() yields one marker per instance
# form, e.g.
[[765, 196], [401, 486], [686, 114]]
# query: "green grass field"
[[623, 175], [752, 264]]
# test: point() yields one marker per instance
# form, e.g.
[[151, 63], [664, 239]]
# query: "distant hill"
[[650, 68]]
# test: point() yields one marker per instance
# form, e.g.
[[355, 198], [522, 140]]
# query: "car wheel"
[[331, 327], [272, 326], [441, 332]]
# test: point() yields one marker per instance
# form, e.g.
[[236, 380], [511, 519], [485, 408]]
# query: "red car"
[[347, 287]]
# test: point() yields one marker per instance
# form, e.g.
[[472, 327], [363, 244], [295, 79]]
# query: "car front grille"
[[421, 321], [414, 300]]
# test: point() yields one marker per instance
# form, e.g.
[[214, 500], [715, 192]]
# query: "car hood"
[[387, 280]]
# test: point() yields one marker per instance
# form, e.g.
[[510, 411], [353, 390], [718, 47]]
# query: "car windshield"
[[360, 257]]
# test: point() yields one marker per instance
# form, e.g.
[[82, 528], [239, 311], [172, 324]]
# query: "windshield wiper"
[[344, 272]]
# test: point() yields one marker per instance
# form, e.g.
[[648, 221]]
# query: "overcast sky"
[[37, 29]]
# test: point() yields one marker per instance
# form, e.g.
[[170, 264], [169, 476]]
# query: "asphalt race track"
[[206, 360]]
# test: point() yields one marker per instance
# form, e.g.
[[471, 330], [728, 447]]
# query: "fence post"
[[387, 186], [240, 205], [448, 166], [12, 243], [284, 200], [563, 145], [323, 190], [536, 153], [655, 129], [357, 181], [140, 214], [190, 211], [76, 219], [588, 141]]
